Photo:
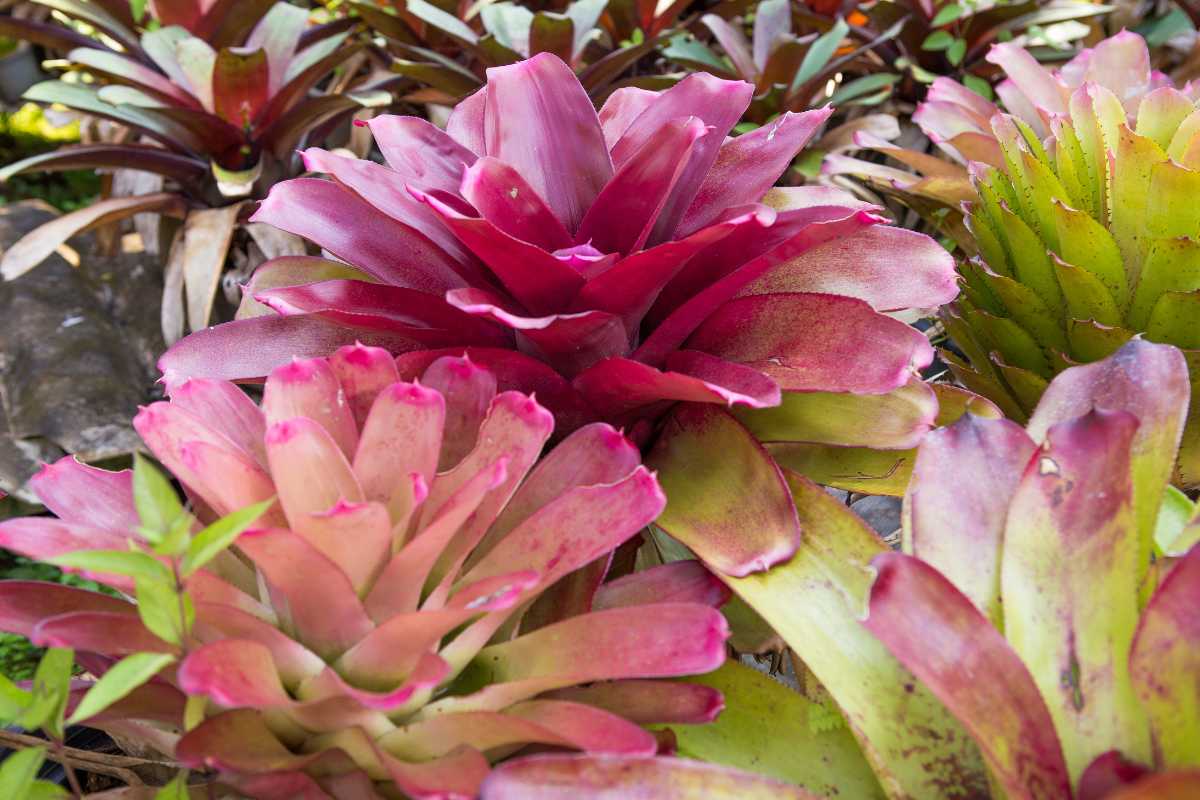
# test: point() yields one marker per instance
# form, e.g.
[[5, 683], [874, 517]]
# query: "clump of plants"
[[1037, 636], [549, 397], [213, 126]]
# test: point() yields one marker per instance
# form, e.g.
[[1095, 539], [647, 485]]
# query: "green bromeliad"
[[1084, 217]]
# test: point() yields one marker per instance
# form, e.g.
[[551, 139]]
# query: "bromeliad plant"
[[1031, 568], [617, 263], [218, 124], [1083, 222], [1039, 637], [418, 593]]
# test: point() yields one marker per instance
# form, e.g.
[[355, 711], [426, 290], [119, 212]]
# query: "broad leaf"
[[567, 777], [792, 748], [815, 601], [733, 510]]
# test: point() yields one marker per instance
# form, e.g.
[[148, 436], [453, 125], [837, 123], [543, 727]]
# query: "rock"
[[882, 514], [77, 352]]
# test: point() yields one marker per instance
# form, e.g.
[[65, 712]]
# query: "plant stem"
[[72, 778]]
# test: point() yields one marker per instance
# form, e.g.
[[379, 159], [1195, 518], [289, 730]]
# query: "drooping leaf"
[[735, 511], [37, 245]]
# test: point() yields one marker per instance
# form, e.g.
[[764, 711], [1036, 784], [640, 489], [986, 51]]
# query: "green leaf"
[[685, 49], [51, 688], [946, 15], [122, 678], [157, 504], [19, 772], [938, 40], [158, 606], [176, 542], [816, 601], [13, 700], [799, 746], [819, 54], [863, 86], [979, 86], [220, 535], [176, 789], [138, 9], [1156, 32], [956, 51], [115, 562], [45, 790], [1172, 534]]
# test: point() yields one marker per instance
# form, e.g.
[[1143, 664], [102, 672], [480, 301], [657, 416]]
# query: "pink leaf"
[[538, 119], [309, 388], [956, 507], [327, 622], [24, 604], [890, 268], [82, 494], [627, 208], [424, 156], [503, 198], [938, 633], [839, 345], [355, 231], [363, 373], [650, 702], [750, 164], [677, 582], [563, 777]]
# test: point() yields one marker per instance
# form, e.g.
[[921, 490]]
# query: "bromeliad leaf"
[[122, 678], [220, 535]]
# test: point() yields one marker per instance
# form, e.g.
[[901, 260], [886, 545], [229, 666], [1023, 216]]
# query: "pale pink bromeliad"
[[400, 615]]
